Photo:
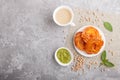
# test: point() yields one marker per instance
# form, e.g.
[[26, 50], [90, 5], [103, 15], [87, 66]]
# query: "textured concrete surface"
[[29, 38]]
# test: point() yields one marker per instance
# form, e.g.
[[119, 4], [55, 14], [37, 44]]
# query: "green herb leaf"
[[108, 26], [108, 64], [103, 56], [105, 61]]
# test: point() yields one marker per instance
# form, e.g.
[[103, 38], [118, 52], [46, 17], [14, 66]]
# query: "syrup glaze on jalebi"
[[89, 40]]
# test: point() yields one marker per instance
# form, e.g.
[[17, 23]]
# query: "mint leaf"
[[103, 56], [108, 26], [108, 64]]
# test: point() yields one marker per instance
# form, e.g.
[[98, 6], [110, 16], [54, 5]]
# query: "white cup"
[[71, 19]]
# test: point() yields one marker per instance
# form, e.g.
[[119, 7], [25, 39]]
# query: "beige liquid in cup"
[[63, 16]]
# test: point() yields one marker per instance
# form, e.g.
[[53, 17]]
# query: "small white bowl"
[[64, 7], [62, 64], [83, 52]]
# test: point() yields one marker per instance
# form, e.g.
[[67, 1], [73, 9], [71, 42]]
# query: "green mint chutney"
[[63, 55]]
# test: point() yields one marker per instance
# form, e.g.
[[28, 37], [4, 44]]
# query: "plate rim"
[[83, 53]]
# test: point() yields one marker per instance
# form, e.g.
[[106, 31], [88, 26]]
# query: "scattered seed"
[[103, 69], [94, 13], [108, 42], [96, 62], [86, 18], [98, 25], [102, 14], [78, 74], [81, 16], [112, 53], [110, 39], [89, 66], [89, 19], [98, 20], [96, 17], [79, 61], [83, 71], [93, 22], [94, 67]]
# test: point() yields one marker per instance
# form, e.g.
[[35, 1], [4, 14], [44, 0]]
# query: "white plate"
[[62, 64], [83, 52]]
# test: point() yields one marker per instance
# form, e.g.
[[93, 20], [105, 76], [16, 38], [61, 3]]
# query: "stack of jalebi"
[[89, 40]]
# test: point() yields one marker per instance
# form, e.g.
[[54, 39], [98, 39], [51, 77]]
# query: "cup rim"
[[60, 7]]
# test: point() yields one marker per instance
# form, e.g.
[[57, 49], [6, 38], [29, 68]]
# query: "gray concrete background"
[[29, 38]]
